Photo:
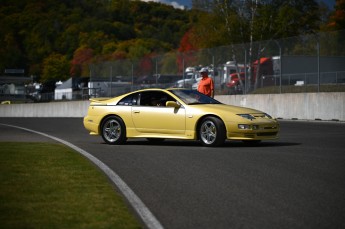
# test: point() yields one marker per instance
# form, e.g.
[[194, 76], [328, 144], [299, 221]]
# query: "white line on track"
[[144, 213]]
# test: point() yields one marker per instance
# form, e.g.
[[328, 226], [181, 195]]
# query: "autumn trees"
[[234, 21], [57, 39], [245, 22], [42, 36], [337, 18]]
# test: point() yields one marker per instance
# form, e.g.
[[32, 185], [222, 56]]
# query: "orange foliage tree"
[[337, 19], [79, 64], [186, 45]]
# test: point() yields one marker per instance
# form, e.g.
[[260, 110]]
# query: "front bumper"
[[254, 131]]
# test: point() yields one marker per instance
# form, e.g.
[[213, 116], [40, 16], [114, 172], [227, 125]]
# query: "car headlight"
[[248, 127], [243, 127], [247, 116]]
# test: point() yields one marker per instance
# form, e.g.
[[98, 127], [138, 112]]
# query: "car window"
[[154, 98], [194, 97], [129, 100]]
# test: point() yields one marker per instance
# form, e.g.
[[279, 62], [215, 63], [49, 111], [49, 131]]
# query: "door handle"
[[136, 112]]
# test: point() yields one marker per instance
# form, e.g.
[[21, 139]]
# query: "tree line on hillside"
[[55, 40], [37, 33]]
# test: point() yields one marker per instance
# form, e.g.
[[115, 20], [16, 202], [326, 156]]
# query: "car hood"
[[219, 108]]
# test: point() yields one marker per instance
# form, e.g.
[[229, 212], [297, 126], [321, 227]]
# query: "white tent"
[[64, 90]]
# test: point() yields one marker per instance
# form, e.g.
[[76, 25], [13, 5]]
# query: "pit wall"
[[305, 106]]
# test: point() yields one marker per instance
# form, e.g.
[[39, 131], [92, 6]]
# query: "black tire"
[[113, 131], [212, 132]]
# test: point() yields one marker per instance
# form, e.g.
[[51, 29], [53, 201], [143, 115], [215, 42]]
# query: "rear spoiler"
[[99, 99]]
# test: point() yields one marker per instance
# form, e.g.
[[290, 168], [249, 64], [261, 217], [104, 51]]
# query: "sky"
[[182, 4], [179, 4], [329, 3]]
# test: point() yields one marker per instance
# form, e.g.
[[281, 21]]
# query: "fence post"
[[318, 65], [245, 73], [132, 72], [281, 69], [111, 81], [183, 71], [156, 72]]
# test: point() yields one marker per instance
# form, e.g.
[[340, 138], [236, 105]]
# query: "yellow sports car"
[[158, 114]]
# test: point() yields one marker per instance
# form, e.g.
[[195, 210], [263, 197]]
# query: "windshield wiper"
[[195, 103]]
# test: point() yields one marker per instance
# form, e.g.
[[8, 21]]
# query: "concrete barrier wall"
[[307, 106], [53, 109]]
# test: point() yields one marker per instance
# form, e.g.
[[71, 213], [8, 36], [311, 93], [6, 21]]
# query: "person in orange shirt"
[[206, 85]]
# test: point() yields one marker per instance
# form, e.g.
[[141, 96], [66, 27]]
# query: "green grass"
[[45, 185]]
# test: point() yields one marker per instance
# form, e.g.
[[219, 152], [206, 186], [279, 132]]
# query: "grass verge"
[[45, 185]]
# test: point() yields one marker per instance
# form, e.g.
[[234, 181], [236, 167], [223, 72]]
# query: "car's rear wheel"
[[212, 132], [113, 130]]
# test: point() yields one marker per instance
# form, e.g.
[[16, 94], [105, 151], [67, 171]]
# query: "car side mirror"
[[172, 104]]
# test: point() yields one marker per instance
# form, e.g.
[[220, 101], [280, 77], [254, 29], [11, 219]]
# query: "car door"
[[159, 119]]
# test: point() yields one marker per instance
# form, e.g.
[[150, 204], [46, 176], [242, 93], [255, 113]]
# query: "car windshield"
[[194, 97]]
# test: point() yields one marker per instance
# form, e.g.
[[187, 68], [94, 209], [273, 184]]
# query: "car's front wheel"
[[212, 132], [113, 130]]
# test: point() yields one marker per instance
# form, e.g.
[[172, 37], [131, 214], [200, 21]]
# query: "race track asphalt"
[[297, 181]]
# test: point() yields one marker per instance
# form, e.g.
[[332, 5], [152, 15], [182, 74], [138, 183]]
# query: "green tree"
[[169, 64], [32, 30], [248, 21], [55, 67]]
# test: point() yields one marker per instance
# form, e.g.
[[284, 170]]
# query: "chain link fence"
[[312, 63]]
